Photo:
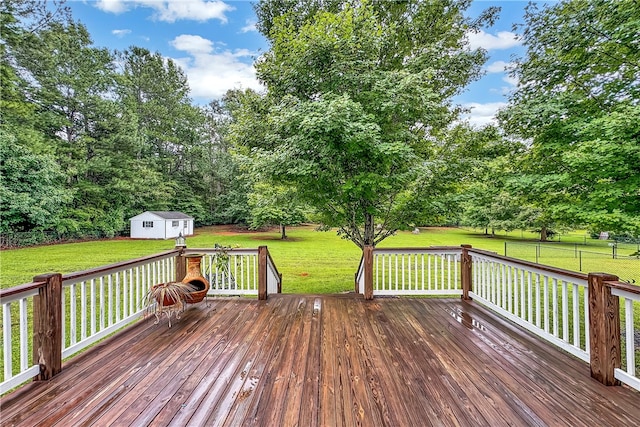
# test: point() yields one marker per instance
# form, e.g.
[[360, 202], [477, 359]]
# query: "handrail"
[[17, 292], [529, 264], [118, 266]]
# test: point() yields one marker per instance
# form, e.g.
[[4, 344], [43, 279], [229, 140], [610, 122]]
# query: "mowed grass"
[[310, 261]]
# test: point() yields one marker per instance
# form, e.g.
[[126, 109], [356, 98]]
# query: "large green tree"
[[358, 96], [32, 185], [578, 103]]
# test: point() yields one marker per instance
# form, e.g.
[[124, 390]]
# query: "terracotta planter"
[[195, 278], [173, 293]]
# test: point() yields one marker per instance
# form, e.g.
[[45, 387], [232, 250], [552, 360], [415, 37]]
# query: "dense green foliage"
[[91, 137], [578, 103], [356, 130], [359, 98]]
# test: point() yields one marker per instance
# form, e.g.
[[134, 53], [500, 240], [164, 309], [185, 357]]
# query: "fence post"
[[367, 253], [181, 265], [465, 273], [262, 272], [604, 329], [47, 326]]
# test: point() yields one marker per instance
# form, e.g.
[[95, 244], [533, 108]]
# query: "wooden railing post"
[[367, 253], [181, 266], [47, 326], [604, 329], [465, 273], [262, 272]]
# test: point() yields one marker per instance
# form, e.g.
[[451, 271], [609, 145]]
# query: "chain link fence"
[[621, 259]]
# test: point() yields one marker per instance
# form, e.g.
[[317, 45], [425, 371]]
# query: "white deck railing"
[[236, 271], [553, 304], [18, 364], [549, 302], [419, 271], [95, 303], [629, 375]]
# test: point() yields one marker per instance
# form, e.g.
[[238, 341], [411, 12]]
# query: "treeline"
[[90, 137], [356, 128]]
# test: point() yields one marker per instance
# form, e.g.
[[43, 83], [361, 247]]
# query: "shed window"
[[184, 223], [147, 224], [175, 223]]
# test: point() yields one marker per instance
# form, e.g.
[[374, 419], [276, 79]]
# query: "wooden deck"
[[333, 360]]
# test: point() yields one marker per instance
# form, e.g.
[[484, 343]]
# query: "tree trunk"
[[283, 231], [543, 234], [369, 230]]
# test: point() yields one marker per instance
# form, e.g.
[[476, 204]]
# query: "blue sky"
[[215, 43]]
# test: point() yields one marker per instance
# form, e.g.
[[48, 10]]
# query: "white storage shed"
[[161, 225]]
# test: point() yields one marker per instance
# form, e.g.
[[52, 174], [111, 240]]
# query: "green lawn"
[[310, 261]]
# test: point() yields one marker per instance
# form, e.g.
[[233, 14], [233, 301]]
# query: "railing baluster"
[[24, 335], [110, 300], [546, 304], [630, 334], [6, 331], [125, 294], [565, 311], [93, 305], [102, 307], [529, 298], [72, 315], [442, 282], [83, 310], [523, 298], [554, 292], [538, 321], [576, 316]]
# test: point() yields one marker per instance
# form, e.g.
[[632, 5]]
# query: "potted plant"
[[168, 298]]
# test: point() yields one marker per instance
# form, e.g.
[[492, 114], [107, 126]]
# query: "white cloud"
[[482, 114], [194, 45], [250, 25], [113, 6], [511, 80], [172, 10], [211, 72], [120, 33], [498, 67], [502, 40]]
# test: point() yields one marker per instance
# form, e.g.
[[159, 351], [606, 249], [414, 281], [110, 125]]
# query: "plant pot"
[[195, 278], [170, 293]]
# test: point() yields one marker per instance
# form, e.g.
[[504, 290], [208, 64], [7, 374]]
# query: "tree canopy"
[[357, 98], [356, 128], [578, 102]]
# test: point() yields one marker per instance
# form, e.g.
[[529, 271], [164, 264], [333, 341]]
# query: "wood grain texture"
[[329, 360]]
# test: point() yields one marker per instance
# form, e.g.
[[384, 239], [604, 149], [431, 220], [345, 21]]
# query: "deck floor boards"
[[323, 360]]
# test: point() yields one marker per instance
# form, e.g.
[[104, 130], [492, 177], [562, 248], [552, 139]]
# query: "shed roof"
[[165, 215]]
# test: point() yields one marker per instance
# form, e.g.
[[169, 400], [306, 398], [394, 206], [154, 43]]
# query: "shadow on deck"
[[331, 360]]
